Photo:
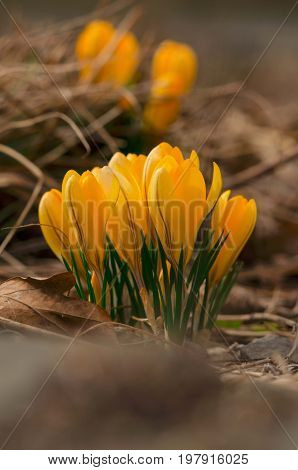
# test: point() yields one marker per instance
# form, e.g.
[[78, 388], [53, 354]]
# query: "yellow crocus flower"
[[174, 70], [175, 59], [236, 219], [160, 113], [76, 218], [177, 198], [57, 229], [128, 224], [54, 226], [89, 199], [122, 58]]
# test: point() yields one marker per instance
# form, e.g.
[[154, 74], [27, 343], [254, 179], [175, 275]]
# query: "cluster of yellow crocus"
[[107, 55], [174, 70], [137, 197], [74, 218]]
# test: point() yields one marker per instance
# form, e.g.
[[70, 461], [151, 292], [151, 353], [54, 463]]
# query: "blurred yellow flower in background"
[[175, 59], [106, 55], [159, 114], [174, 70]]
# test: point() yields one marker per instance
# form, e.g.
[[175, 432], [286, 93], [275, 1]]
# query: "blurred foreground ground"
[[103, 398]]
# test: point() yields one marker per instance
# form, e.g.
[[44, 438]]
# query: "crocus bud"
[[104, 57]]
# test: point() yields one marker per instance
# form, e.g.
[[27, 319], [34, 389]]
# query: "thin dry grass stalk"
[[39, 74], [36, 191]]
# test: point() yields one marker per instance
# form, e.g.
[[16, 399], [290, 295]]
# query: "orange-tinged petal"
[[176, 58], [121, 62], [159, 114], [92, 40], [169, 85], [125, 61], [177, 154], [236, 218], [215, 189], [194, 158], [219, 209], [96, 288]]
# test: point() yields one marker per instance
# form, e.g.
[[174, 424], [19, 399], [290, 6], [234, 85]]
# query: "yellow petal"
[[169, 85], [96, 287], [55, 225], [97, 212], [238, 222], [215, 189], [120, 64], [159, 190], [190, 193], [154, 158], [67, 176], [159, 114], [125, 60], [219, 209], [175, 58], [92, 40], [50, 219], [88, 212], [108, 182], [194, 158], [137, 165], [123, 171], [177, 201], [75, 206]]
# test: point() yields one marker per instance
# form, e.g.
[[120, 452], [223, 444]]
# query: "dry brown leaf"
[[41, 303]]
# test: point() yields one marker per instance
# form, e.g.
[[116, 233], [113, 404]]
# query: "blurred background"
[[229, 36]]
